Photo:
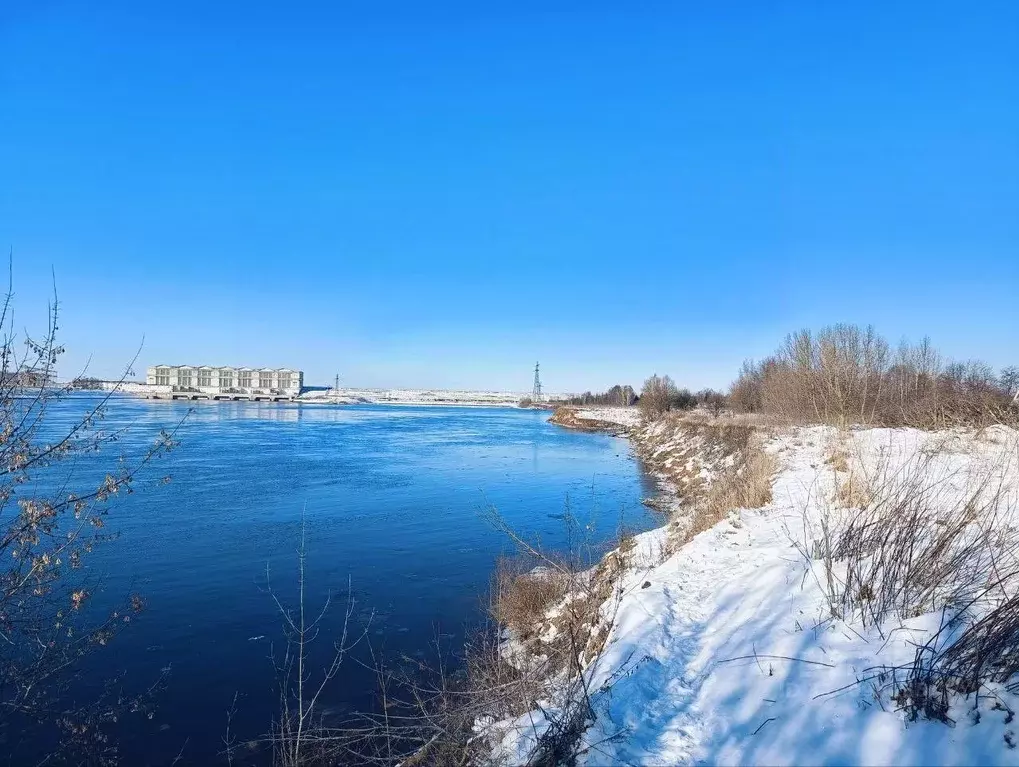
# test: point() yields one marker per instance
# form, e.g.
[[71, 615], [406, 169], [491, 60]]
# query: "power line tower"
[[536, 392]]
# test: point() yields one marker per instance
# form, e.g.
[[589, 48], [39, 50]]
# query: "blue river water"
[[391, 499]]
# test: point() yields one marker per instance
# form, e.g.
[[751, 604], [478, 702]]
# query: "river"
[[391, 501]]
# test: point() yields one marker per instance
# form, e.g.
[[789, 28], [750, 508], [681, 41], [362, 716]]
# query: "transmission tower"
[[536, 392]]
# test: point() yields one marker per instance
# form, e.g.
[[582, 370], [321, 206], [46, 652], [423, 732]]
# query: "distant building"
[[212, 381]]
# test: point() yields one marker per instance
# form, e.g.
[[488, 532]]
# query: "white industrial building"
[[197, 381]]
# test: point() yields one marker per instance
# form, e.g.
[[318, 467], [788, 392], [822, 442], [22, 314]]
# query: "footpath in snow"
[[728, 651]]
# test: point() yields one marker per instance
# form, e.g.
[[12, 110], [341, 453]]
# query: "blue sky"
[[436, 194]]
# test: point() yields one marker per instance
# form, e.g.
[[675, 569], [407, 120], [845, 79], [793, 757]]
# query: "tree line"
[[843, 374], [850, 374]]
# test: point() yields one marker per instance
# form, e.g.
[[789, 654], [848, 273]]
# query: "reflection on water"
[[391, 499]]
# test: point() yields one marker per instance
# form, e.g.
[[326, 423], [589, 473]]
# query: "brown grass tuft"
[[522, 597], [855, 491]]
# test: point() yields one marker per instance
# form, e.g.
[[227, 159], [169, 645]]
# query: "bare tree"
[[848, 374], [623, 396], [712, 401], [1009, 380], [657, 396]]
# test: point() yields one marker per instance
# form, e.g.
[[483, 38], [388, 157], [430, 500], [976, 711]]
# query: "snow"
[[621, 416], [730, 656], [414, 397]]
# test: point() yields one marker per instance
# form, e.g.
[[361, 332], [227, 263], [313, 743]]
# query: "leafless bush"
[[715, 402], [746, 394], [988, 648], [47, 626], [846, 374], [299, 736], [443, 713], [660, 394], [550, 623], [1009, 380]]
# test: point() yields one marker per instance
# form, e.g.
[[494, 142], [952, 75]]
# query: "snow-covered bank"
[[413, 397], [726, 650], [616, 420], [459, 398], [627, 417]]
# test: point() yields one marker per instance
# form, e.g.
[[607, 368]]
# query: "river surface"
[[391, 499]]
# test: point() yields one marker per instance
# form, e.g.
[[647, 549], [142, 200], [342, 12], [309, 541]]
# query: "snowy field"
[[415, 397], [727, 652]]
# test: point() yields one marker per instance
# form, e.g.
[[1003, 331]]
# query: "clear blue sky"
[[436, 194]]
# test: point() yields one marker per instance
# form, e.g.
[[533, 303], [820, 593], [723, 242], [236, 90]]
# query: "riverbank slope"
[[762, 631]]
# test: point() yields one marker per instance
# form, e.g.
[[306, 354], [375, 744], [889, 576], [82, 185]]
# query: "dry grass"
[[557, 614], [560, 618], [838, 461], [714, 466], [921, 532], [627, 543], [687, 449], [522, 595], [745, 485], [836, 452], [931, 533], [855, 490]]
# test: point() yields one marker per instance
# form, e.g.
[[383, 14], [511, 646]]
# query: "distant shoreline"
[[343, 396]]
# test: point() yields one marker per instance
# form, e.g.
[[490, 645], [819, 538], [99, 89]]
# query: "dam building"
[[229, 383]]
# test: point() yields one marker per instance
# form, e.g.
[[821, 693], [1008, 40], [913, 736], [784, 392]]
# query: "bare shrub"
[[746, 395], [988, 649], [47, 623], [855, 490], [1009, 380], [299, 735], [559, 615], [660, 394], [715, 402]]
